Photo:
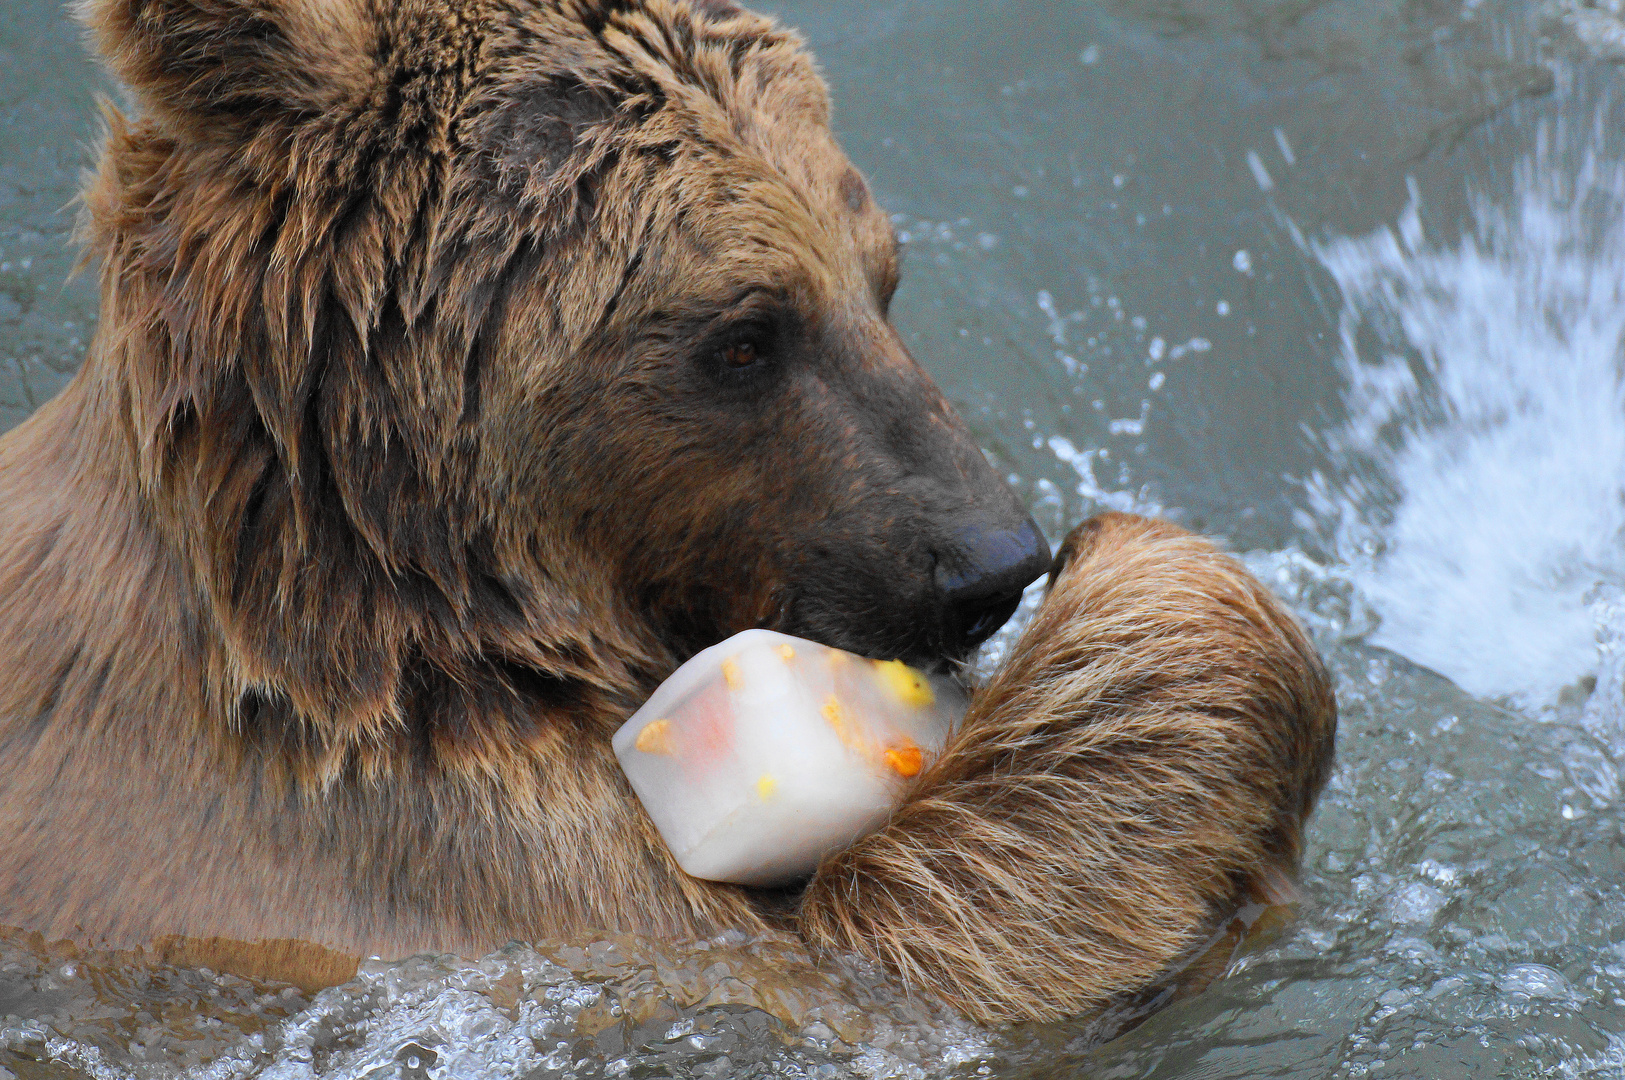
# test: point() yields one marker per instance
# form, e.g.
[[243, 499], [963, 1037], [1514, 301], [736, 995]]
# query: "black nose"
[[981, 578]]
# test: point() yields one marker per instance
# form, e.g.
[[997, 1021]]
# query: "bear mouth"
[[941, 646], [977, 625], [936, 627]]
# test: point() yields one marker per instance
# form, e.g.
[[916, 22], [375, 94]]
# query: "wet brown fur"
[[324, 584]]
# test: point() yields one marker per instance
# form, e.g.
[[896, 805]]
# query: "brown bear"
[[464, 366]]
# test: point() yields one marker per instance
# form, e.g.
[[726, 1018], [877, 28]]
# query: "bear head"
[[497, 349]]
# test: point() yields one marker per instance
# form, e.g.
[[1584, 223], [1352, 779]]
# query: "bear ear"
[[235, 60]]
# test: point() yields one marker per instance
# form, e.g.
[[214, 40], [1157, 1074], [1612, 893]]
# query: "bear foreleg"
[[1146, 758]]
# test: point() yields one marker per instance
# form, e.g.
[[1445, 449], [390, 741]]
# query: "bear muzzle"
[[981, 578]]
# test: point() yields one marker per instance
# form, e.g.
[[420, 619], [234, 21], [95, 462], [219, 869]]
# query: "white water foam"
[[1483, 514]]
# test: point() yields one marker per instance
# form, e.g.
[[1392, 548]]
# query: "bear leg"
[[1144, 760]]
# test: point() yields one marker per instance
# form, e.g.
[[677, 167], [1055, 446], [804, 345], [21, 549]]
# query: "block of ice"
[[764, 753]]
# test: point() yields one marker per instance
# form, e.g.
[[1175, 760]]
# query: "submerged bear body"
[[464, 366]]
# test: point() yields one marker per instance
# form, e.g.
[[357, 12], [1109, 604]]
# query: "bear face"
[[549, 337], [748, 316]]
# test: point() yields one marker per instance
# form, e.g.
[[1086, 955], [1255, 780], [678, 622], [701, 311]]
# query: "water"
[[1341, 282], [47, 112], [1484, 433]]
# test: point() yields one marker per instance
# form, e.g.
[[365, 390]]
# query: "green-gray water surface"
[[1342, 281]]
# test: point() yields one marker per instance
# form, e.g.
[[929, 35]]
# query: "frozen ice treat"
[[764, 753]]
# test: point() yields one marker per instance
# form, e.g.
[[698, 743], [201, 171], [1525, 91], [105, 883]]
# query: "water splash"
[[1483, 508]]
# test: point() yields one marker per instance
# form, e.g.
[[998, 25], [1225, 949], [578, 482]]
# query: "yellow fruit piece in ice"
[[766, 786], [655, 738], [730, 674], [907, 685], [786, 653]]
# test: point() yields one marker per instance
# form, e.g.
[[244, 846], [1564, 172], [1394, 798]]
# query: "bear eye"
[[739, 354], [744, 348]]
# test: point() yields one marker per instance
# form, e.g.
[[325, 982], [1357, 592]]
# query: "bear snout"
[[981, 577]]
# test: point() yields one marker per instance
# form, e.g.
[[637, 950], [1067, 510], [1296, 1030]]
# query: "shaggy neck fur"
[[114, 735]]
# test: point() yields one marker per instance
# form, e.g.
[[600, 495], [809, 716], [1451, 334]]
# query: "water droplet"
[[1286, 147], [1261, 175]]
